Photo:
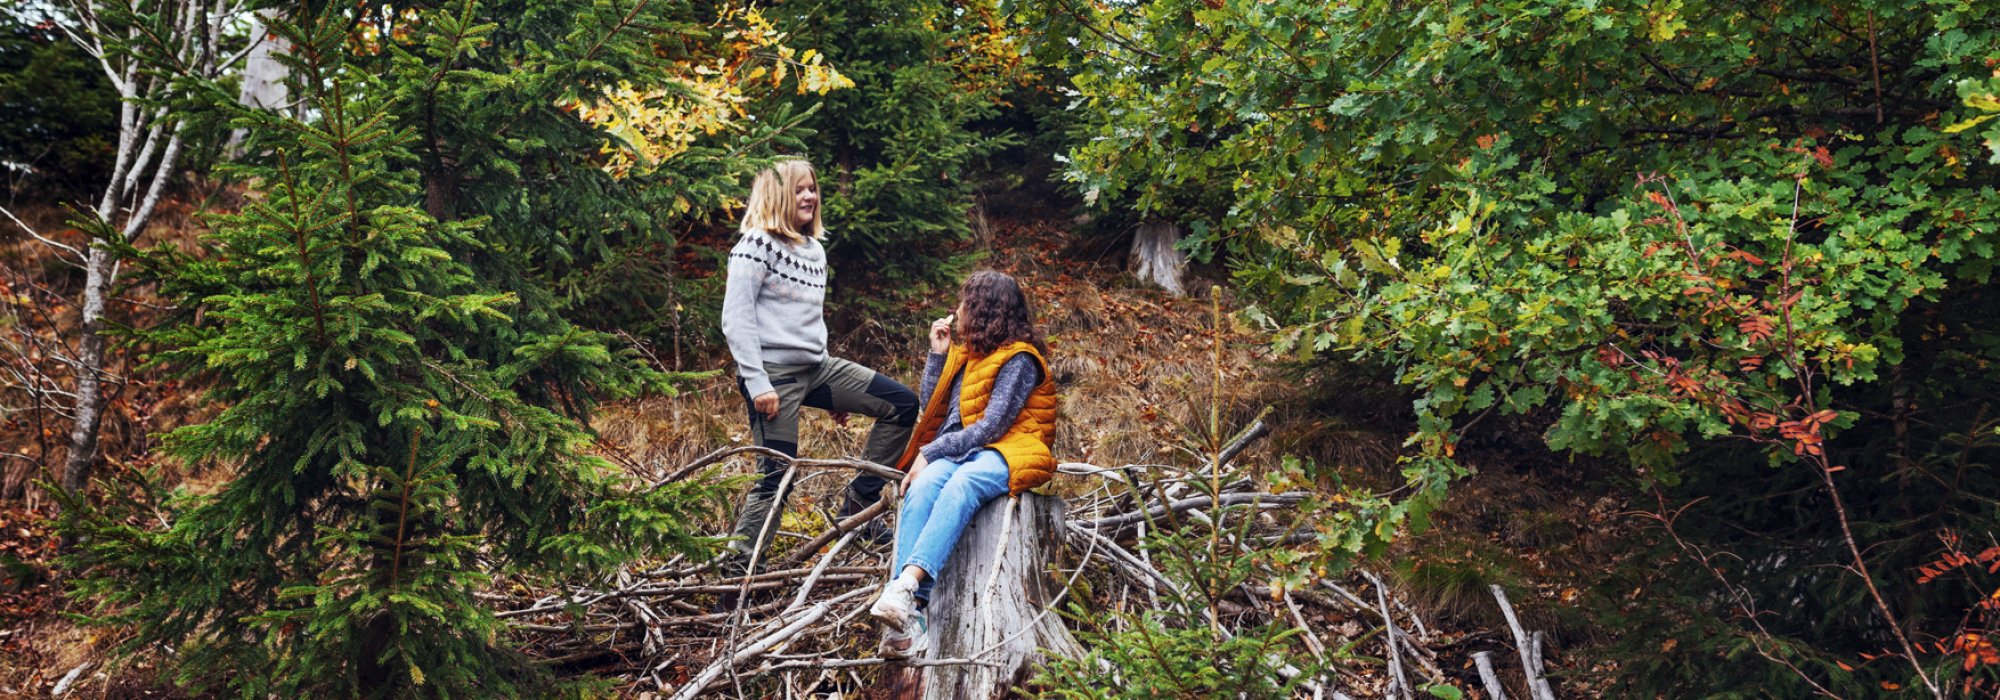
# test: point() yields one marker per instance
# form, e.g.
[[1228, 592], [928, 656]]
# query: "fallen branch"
[[715, 670], [811, 547], [1115, 522], [1484, 660], [719, 455], [1529, 665]]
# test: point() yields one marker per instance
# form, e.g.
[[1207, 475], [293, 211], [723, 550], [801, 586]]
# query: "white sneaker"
[[897, 605], [907, 643]]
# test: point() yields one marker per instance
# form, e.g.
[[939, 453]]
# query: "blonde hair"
[[773, 204]]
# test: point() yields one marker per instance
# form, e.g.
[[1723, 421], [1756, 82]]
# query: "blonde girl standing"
[[773, 315]]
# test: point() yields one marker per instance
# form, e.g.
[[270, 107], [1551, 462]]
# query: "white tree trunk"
[[1005, 624], [194, 37], [263, 75], [1155, 260]]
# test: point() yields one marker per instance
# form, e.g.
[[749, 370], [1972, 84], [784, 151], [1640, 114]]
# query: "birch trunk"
[[263, 75], [191, 31]]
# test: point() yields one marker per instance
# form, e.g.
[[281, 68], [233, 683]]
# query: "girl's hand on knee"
[[911, 476]]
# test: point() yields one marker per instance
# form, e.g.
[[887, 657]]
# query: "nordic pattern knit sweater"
[[774, 306]]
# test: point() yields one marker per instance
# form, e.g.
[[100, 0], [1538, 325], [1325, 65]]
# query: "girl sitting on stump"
[[989, 411]]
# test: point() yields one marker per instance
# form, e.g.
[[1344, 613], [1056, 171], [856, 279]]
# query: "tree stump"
[[1156, 260], [1005, 622]]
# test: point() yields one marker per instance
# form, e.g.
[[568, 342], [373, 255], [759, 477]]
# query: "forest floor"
[[1139, 372]]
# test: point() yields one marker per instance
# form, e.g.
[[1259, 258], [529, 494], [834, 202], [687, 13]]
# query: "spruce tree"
[[405, 385]]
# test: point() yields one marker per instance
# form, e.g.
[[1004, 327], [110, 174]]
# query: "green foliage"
[[894, 153], [1638, 227], [392, 326], [61, 117], [1157, 657]]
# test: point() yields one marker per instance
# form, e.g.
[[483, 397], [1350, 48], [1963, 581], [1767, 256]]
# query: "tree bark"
[[136, 185], [89, 384], [989, 605], [263, 76], [1156, 260]]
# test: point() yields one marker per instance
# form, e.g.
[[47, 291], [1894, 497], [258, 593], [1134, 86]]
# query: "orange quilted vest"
[[1025, 445]]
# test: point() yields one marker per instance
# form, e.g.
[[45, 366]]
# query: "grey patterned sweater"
[[957, 441], [773, 308]]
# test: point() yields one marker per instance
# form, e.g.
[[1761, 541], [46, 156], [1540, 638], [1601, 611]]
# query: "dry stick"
[[715, 669], [1127, 558], [1521, 642], [1115, 522], [757, 553], [1344, 593], [858, 609], [1419, 653], [1242, 441], [852, 522], [1424, 657], [1313, 642], [1484, 660], [1535, 643], [1422, 631], [727, 452], [651, 635], [1086, 469], [805, 589], [63, 685], [785, 631], [1397, 680], [776, 579], [1542, 688], [857, 663]]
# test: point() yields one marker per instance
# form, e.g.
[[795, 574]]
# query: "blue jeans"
[[944, 498]]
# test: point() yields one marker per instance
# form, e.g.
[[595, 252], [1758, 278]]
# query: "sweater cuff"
[[758, 386]]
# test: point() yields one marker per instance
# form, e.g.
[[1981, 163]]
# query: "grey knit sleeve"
[[1015, 381], [933, 371], [747, 271]]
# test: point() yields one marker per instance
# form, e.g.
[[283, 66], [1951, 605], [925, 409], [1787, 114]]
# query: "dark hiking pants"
[[832, 385]]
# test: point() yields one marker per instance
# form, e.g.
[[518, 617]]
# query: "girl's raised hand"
[[941, 334]]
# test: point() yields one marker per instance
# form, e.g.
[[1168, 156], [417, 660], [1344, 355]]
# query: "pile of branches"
[[798, 621]]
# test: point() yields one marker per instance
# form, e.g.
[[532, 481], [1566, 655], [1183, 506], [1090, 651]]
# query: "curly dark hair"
[[996, 313]]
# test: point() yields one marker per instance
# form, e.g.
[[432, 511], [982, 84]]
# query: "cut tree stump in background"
[[1156, 260], [967, 619]]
